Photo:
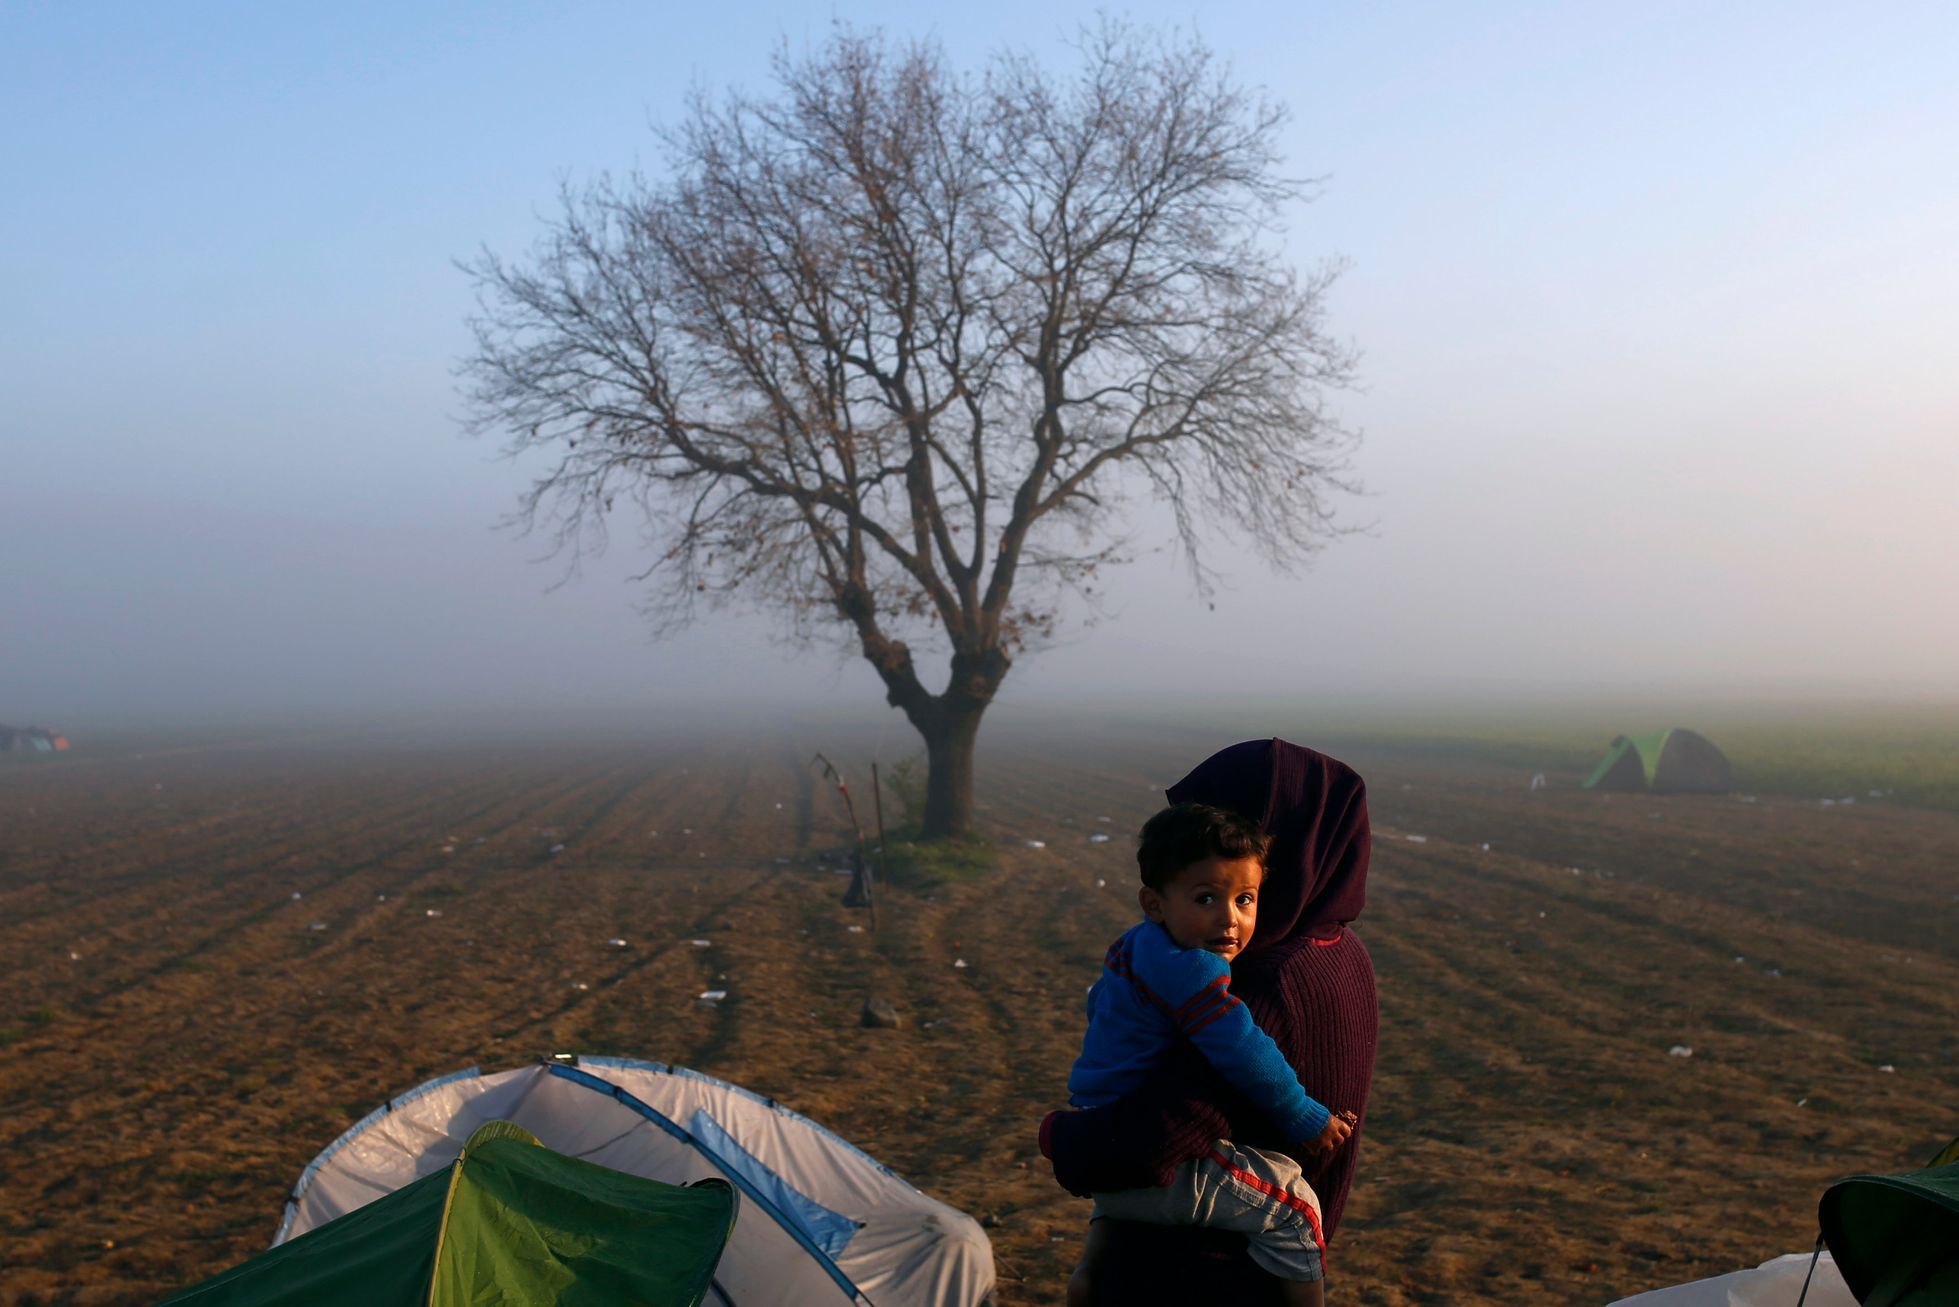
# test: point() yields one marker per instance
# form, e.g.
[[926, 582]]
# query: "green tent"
[[508, 1222], [1666, 762], [1896, 1237]]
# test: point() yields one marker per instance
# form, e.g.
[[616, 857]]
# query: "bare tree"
[[889, 352]]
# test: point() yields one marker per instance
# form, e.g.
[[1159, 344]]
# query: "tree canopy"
[[889, 352]]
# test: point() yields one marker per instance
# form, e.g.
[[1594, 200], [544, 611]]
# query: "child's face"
[[1212, 905]]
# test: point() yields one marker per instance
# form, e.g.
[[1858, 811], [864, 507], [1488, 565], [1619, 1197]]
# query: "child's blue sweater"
[[1151, 992]]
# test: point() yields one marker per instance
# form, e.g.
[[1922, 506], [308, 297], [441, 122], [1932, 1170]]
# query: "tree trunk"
[[949, 740]]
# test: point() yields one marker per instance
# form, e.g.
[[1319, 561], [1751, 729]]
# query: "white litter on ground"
[[74, 957], [959, 963], [1104, 819], [1887, 1068], [1036, 844], [316, 925], [1098, 838], [1680, 1050], [448, 848], [701, 943], [1101, 883], [1417, 839], [580, 985], [297, 896], [855, 930], [713, 995], [432, 912], [616, 943], [557, 848]]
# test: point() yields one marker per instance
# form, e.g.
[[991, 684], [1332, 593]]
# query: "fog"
[[1656, 311]]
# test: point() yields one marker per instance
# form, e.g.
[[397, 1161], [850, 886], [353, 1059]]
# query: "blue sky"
[[1656, 306]]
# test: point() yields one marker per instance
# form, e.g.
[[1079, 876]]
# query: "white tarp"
[[1777, 1282], [820, 1222]]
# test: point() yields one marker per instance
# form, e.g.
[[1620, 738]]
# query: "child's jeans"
[[1259, 1194]]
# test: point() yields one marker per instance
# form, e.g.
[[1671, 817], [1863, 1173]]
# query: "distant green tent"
[[1896, 1237], [1666, 762], [509, 1222]]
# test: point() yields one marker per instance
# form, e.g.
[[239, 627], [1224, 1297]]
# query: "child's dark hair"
[[1184, 833]]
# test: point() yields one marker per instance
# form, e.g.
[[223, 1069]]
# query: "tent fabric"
[[820, 1222], [1676, 761], [1896, 1237], [507, 1222], [1775, 1283]]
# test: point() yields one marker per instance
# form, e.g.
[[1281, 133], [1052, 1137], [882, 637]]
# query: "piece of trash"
[[1537, 782], [448, 848], [380, 898], [316, 925], [701, 943], [1739, 959], [1098, 838], [1486, 846], [1887, 1068], [579, 985], [432, 912], [959, 964], [74, 957], [297, 896], [686, 830], [1104, 819], [1802, 1102], [1540, 916], [557, 848], [855, 930], [616, 943], [1036, 844], [713, 995], [778, 807], [1829, 803], [1680, 1050], [1417, 839], [1100, 883]]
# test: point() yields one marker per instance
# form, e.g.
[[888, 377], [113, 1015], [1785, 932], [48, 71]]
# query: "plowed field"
[[214, 958]]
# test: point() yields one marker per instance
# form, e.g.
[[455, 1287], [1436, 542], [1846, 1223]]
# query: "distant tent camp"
[[1666, 762], [507, 1222], [31, 739], [820, 1222]]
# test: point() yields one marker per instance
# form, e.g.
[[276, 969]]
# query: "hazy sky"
[[1658, 306]]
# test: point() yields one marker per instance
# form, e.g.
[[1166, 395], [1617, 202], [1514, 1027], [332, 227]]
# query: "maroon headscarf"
[[1315, 809]]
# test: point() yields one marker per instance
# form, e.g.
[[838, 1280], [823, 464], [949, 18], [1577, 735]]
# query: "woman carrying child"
[[1308, 983]]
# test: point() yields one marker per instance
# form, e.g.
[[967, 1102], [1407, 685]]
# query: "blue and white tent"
[[820, 1222]]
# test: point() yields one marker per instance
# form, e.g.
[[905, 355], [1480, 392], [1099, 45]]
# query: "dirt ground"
[[214, 958]]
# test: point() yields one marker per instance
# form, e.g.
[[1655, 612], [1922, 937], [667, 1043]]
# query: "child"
[[1168, 978]]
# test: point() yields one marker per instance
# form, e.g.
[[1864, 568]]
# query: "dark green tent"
[[1666, 762], [1896, 1237], [508, 1222]]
